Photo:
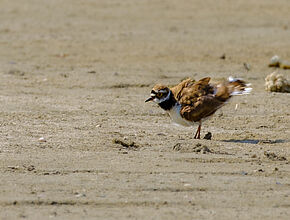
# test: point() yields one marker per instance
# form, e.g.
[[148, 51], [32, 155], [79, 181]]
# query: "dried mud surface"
[[77, 140]]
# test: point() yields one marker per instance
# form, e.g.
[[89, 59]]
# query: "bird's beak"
[[149, 99]]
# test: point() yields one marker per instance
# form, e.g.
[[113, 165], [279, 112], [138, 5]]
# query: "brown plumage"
[[196, 101]]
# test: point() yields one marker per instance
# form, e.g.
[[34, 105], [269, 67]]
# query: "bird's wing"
[[197, 99], [178, 89], [203, 107], [188, 90]]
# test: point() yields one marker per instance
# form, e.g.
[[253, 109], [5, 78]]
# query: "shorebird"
[[192, 102]]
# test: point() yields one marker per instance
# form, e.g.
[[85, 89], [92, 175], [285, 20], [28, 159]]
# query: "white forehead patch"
[[163, 91]]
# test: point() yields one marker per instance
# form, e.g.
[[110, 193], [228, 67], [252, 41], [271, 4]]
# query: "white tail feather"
[[242, 89]]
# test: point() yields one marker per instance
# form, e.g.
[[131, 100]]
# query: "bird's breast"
[[174, 113]]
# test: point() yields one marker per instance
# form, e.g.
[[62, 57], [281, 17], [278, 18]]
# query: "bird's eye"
[[159, 95]]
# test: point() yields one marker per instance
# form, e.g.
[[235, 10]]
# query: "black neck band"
[[169, 103]]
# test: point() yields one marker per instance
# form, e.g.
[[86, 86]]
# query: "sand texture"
[[77, 140]]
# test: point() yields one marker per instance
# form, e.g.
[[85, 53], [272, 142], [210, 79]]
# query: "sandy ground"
[[76, 73]]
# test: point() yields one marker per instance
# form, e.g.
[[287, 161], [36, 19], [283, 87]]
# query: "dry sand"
[[73, 78]]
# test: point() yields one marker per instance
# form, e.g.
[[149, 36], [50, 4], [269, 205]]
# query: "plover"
[[192, 102]]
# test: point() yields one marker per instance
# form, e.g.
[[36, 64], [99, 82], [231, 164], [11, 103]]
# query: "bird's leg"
[[197, 134], [199, 128]]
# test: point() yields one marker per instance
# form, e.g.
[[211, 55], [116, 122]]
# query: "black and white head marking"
[[160, 96]]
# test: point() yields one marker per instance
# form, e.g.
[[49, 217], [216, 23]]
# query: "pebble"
[[42, 139], [275, 61]]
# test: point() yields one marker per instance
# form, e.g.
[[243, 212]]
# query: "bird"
[[192, 102]]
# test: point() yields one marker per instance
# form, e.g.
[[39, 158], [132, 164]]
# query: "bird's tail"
[[238, 86], [232, 87]]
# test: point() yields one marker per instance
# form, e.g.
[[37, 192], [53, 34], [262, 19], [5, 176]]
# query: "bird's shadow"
[[254, 141]]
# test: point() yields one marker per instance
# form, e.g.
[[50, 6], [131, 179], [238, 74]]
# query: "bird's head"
[[159, 94]]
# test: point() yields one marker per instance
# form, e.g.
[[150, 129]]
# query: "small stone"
[[261, 170], [13, 167], [161, 134], [244, 173], [30, 168], [64, 75], [275, 61], [42, 139], [80, 195], [208, 136], [92, 71], [285, 64], [223, 56]]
